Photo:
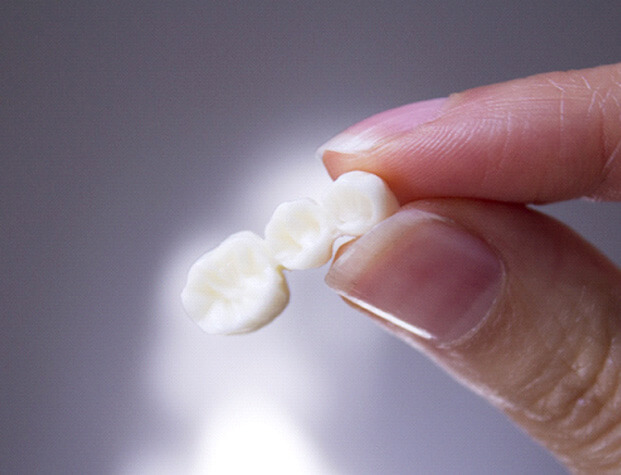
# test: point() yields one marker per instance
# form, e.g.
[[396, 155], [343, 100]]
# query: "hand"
[[512, 303]]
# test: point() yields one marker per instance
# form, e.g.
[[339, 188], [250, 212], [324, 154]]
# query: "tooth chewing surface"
[[235, 288], [300, 234]]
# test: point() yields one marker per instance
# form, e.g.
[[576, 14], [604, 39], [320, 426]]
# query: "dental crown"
[[239, 286]]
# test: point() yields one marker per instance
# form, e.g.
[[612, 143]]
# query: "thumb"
[[513, 304]]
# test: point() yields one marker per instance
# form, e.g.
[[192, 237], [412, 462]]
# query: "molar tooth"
[[300, 234], [358, 201], [235, 288]]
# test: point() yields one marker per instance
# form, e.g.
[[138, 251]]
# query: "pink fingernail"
[[365, 134], [421, 273]]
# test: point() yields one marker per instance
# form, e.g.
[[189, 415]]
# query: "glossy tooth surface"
[[235, 288], [300, 234], [358, 201]]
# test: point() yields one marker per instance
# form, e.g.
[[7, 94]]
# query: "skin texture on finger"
[[546, 350], [544, 138]]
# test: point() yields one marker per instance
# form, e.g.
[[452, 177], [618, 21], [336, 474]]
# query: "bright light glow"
[[215, 394], [251, 437]]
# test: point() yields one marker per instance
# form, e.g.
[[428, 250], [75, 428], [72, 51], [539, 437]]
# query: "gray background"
[[135, 135]]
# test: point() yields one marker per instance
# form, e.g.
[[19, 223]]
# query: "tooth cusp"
[[358, 201], [300, 234], [235, 288]]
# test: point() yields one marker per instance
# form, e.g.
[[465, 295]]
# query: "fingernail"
[[366, 134], [421, 273]]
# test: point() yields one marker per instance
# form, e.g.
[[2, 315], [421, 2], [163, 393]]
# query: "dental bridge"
[[240, 286]]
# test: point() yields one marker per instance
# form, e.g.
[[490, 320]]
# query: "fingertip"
[[544, 138], [347, 150]]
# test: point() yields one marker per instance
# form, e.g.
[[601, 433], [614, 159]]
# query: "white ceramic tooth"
[[239, 286], [300, 234], [358, 201], [235, 288]]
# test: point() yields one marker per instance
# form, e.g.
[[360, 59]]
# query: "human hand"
[[509, 301]]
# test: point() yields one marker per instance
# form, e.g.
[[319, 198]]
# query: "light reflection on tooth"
[[300, 234], [235, 288], [358, 201]]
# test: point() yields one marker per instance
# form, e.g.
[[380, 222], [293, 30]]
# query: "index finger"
[[544, 138]]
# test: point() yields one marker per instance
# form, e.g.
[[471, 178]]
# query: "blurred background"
[[134, 136]]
